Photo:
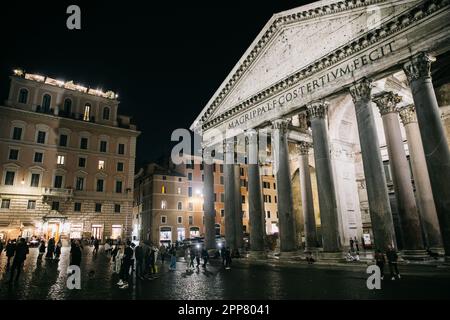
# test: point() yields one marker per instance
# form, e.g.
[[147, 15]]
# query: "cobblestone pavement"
[[47, 280]]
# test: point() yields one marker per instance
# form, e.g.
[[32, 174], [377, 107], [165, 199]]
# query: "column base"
[[415, 255], [438, 251], [257, 255], [331, 256]]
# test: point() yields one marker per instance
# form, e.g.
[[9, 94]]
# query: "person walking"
[[139, 255], [187, 258], [75, 254], [173, 258], [152, 260], [58, 249], [162, 252], [380, 261], [96, 245], [41, 250], [20, 255], [1, 247], [50, 249], [197, 257], [227, 259], [10, 250], [356, 245], [205, 257], [223, 252], [126, 265], [351, 245], [117, 259], [392, 258]]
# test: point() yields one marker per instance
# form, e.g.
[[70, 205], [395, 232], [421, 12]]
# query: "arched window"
[[87, 112], [67, 106], [105, 113], [46, 100], [23, 96], [180, 206]]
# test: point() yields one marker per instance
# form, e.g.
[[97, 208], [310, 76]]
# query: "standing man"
[[351, 245], [356, 245], [380, 261], [162, 252], [10, 250], [392, 257], [19, 258], [139, 255]]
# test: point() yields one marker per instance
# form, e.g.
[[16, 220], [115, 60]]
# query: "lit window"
[[164, 204], [87, 112], [60, 160], [163, 189], [101, 164], [179, 190]]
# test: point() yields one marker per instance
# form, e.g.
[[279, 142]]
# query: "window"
[[180, 180], [163, 204], [41, 137], [222, 197], [180, 206], [82, 162], [243, 199], [101, 164], [221, 168], [38, 157], [163, 219], [274, 186], [79, 184], [201, 166], [191, 206], [222, 181], [17, 133], [58, 182], [275, 199], [118, 186], [105, 113], [117, 208], [31, 204], [13, 154], [87, 112], [189, 176], [121, 148], [242, 171], [23, 96], [63, 140], [98, 207], [35, 180], [55, 205], [60, 160], [5, 203], [191, 220], [67, 106], [77, 207], [190, 191], [163, 189], [179, 190], [46, 101], [203, 177], [222, 213], [9, 178], [268, 214], [179, 220], [100, 185], [84, 143], [119, 166], [103, 145]]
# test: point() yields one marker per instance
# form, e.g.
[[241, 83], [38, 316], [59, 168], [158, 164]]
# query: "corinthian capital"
[[317, 110], [361, 90], [419, 66], [281, 124], [387, 102], [303, 147], [408, 114]]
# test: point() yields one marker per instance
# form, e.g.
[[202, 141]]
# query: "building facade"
[[67, 161]]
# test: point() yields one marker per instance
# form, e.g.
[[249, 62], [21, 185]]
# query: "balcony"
[[60, 193]]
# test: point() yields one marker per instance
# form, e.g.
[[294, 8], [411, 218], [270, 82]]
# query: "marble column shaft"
[[404, 193], [255, 204], [377, 192], [286, 219], [229, 206], [307, 196], [437, 154], [324, 175], [238, 229], [424, 194], [208, 205]]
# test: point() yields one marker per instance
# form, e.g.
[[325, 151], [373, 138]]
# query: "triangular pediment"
[[294, 39]]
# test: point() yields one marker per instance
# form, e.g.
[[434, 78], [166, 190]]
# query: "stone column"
[[307, 197], [238, 229], [404, 193], [230, 207], [255, 205], [324, 175], [424, 195], [437, 153], [286, 218], [377, 192], [208, 206]]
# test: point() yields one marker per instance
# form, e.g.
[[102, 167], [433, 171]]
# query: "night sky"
[[165, 59]]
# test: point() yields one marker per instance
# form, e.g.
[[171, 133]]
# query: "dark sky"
[[164, 58]]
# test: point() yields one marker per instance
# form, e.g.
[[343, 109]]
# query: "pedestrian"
[[189, 258], [351, 245], [96, 245], [173, 258], [58, 249], [151, 260], [139, 256], [392, 258], [20, 255], [227, 258], [50, 249], [117, 259], [380, 261], [10, 250], [75, 254], [107, 247], [197, 257], [1, 247], [41, 250], [223, 252], [162, 252], [205, 257], [127, 262], [309, 257], [356, 245], [114, 252]]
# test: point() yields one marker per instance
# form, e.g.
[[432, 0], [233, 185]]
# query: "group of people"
[[16, 250], [53, 249], [226, 253], [392, 258], [191, 255]]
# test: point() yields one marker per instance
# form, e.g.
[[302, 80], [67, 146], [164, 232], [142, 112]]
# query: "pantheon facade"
[[357, 92]]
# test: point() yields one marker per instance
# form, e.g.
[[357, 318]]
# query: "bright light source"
[[198, 246], [219, 244]]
